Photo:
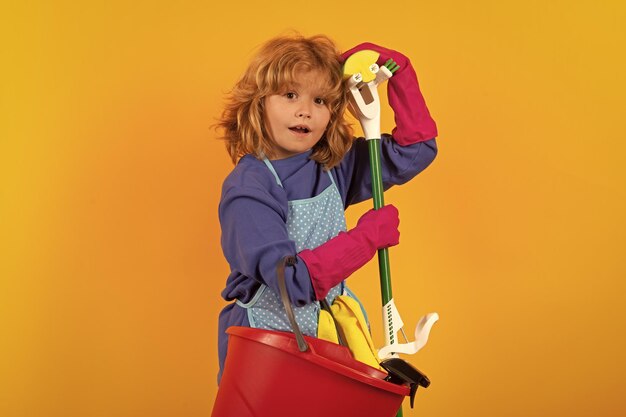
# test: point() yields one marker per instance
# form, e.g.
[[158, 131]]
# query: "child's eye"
[[320, 100], [290, 95]]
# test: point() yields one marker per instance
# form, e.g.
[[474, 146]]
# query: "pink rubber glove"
[[337, 259], [413, 121]]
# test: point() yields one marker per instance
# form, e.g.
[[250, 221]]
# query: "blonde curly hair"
[[275, 66]]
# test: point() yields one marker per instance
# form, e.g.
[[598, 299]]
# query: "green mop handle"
[[379, 201], [367, 109]]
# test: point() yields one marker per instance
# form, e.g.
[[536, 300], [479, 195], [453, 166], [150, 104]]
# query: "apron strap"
[[271, 167], [332, 179]]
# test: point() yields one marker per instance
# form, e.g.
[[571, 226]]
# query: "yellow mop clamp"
[[365, 75]]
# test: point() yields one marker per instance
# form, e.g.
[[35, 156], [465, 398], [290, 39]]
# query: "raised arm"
[[411, 146]]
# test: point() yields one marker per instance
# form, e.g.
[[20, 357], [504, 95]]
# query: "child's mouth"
[[300, 129]]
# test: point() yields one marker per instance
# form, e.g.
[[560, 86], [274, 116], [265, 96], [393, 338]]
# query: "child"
[[298, 169]]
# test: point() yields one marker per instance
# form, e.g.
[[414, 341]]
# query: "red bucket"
[[266, 375]]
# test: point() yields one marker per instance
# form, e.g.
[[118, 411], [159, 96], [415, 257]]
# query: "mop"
[[364, 77]]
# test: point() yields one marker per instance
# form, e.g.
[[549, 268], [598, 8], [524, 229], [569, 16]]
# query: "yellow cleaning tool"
[[351, 322]]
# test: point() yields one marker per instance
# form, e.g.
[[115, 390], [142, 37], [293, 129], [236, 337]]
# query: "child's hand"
[[381, 226], [334, 261], [413, 121]]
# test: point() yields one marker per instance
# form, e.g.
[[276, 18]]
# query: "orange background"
[[111, 264]]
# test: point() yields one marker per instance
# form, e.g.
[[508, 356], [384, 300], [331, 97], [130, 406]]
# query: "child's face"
[[297, 117]]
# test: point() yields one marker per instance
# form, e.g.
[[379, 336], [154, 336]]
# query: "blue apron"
[[310, 223]]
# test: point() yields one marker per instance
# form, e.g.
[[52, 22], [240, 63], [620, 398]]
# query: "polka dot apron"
[[310, 223]]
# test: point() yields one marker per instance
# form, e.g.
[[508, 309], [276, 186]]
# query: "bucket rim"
[[261, 336]]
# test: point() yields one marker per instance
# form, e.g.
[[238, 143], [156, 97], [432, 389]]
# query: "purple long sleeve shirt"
[[253, 214]]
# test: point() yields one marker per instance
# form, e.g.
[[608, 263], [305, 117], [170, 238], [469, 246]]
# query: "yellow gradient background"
[[111, 266]]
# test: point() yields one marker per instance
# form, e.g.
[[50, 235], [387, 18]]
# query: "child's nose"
[[304, 111], [304, 114]]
